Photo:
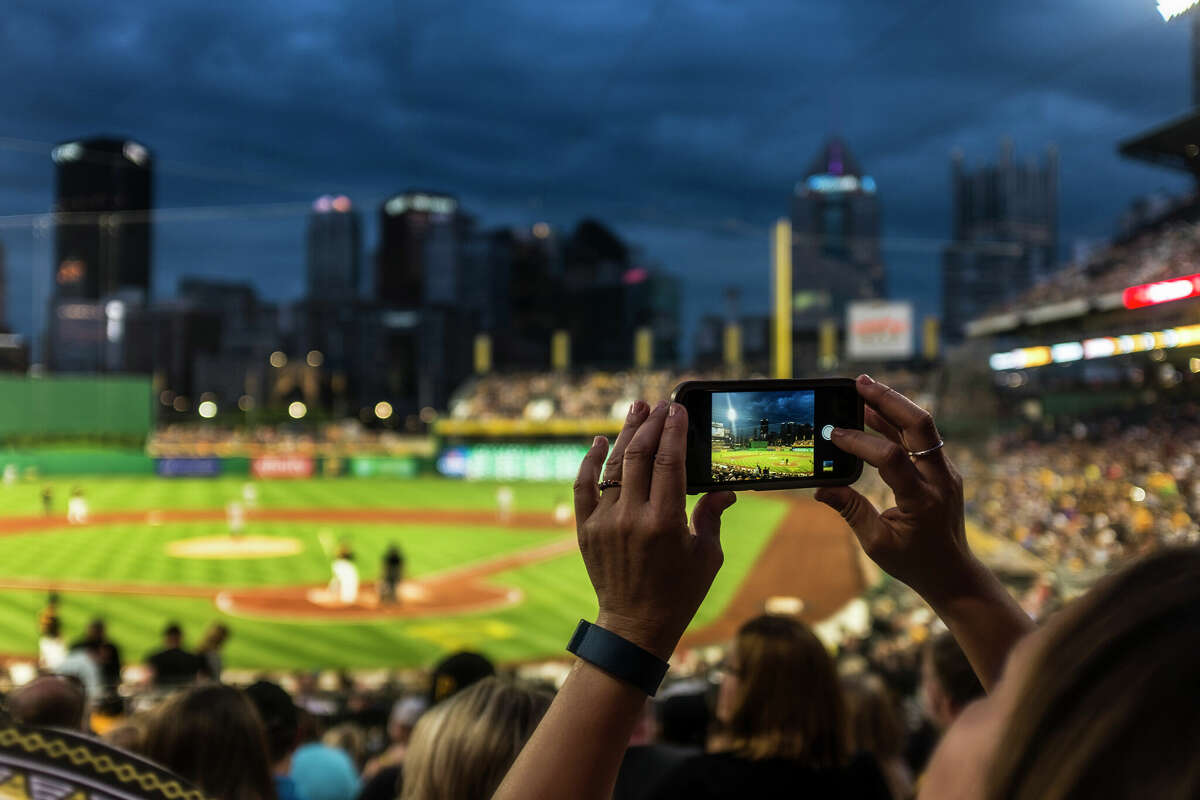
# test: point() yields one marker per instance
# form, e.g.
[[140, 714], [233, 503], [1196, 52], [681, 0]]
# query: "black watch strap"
[[617, 656]]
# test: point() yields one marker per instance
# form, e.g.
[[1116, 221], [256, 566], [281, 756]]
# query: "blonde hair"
[[462, 747]]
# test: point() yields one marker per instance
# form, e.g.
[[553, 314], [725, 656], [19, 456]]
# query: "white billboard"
[[879, 330]]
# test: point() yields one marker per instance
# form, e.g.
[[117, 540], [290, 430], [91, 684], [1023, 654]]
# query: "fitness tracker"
[[617, 656]]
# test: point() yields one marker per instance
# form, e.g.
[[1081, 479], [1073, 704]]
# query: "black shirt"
[[720, 775], [108, 659], [393, 564], [174, 666], [385, 785]]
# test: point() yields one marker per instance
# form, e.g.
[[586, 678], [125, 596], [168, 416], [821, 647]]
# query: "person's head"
[[461, 748], [780, 697], [683, 719], [872, 720], [52, 599], [948, 683], [456, 672], [172, 634], [1099, 702], [53, 628], [279, 717], [404, 716], [349, 738], [96, 630], [213, 736], [50, 701]]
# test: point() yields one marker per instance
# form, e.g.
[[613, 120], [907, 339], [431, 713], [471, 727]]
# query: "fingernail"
[[671, 411], [636, 409], [661, 404], [596, 442], [865, 379]]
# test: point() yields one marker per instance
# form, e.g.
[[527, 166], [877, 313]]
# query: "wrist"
[[650, 635], [969, 580]]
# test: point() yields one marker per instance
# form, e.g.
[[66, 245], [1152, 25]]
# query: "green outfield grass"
[[556, 592], [787, 462]]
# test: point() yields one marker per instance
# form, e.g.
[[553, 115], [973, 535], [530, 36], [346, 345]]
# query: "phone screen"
[[762, 435], [769, 434]]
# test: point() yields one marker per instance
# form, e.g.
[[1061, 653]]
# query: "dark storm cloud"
[[751, 407], [683, 123]]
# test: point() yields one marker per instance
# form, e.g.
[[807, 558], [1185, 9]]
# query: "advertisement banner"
[[187, 467], [383, 467], [554, 462], [879, 331], [282, 467]]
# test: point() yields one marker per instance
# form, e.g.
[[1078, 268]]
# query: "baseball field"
[[155, 550], [779, 461]]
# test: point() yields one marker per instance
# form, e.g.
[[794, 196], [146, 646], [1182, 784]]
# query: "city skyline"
[[694, 177]]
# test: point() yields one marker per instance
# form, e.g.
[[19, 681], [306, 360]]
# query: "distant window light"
[[71, 151], [341, 204], [136, 153], [323, 204], [70, 271], [835, 183], [431, 203]]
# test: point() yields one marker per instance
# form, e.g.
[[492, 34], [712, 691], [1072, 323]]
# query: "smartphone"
[[768, 434]]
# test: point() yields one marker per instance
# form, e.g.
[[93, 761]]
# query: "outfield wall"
[[75, 406]]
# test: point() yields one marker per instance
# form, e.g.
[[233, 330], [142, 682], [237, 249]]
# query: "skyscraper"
[[1005, 235], [835, 244], [334, 249], [102, 223], [419, 262]]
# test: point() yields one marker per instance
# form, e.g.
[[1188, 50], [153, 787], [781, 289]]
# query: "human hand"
[[650, 569], [922, 541]]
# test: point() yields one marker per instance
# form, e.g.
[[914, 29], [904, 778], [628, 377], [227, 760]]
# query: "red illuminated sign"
[[1151, 294]]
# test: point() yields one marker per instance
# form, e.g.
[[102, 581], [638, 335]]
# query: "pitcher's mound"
[[234, 547]]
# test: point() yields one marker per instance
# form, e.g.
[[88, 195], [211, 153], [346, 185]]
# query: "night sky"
[[751, 407], [682, 124]]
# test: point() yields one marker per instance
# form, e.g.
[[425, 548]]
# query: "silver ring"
[[609, 485], [935, 448]]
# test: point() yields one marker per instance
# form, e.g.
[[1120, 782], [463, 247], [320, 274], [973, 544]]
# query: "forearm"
[[984, 619], [577, 749]]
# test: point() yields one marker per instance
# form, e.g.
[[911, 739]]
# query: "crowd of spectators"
[[454, 732], [1094, 495], [1167, 252], [342, 438]]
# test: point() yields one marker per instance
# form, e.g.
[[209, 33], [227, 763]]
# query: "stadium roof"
[[1174, 144]]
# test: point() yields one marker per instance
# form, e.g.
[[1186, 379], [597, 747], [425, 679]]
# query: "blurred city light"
[[428, 414], [207, 409], [166, 397], [181, 404], [383, 409], [278, 359], [246, 402], [341, 204], [297, 410], [1137, 494], [315, 358], [1150, 294], [1173, 8], [541, 230]]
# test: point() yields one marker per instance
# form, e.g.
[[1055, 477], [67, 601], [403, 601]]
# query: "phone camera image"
[[764, 435]]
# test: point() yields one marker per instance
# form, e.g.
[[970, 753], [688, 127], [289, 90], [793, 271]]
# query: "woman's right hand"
[[922, 540]]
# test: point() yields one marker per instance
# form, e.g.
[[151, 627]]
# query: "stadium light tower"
[[733, 422], [1173, 8]]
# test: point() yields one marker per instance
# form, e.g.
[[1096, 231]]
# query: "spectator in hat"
[[383, 773], [322, 772], [281, 724], [456, 672]]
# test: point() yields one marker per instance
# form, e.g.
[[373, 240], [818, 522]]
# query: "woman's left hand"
[[649, 567]]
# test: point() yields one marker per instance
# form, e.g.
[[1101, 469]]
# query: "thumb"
[[706, 516], [854, 508]]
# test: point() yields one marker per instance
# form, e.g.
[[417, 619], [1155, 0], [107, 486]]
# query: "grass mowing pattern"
[[556, 592], [778, 461]]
